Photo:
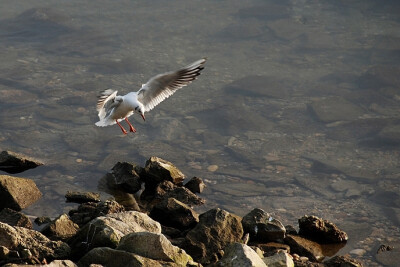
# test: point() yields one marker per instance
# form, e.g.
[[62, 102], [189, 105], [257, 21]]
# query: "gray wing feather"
[[107, 103], [164, 85]]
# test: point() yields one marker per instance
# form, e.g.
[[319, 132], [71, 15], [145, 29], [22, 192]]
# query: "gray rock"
[[12, 162], [173, 213], [196, 185], [14, 218], [237, 254], [216, 229], [262, 227], [61, 228], [82, 197], [339, 261], [17, 193], [158, 170], [118, 258], [280, 259], [154, 246], [19, 238], [107, 231], [320, 230]]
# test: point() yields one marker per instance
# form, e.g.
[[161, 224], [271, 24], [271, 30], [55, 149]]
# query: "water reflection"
[[298, 105]]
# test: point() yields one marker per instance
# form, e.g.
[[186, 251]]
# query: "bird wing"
[[164, 85], [106, 103]]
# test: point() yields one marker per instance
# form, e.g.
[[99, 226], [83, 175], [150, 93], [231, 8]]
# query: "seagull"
[[113, 108]]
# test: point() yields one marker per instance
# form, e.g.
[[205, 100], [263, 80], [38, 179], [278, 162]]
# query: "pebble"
[[358, 251], [212, 168], [78, 160]]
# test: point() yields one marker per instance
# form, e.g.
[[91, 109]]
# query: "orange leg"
[[122, 128], [130, 126]]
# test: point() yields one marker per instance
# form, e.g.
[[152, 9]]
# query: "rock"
[[14, 218], [154, 246], [339, 261], [173, 213], [237, 254], [106, 231], [117, 258], [127, 176], [12, 162], [82, 197], [272, 248], [195, 185], [19, 238], [320, 230], [280, 259], [216, 229], [167, 189], [335, 109], [88, 211], [158, 170], [387, 255], [61, 228], [262, 227], [304, 247], [42, 220], [55, 263], [390, 134], [17, 193]]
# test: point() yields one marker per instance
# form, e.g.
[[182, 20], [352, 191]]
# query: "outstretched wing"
[[164, 85], [106, 103]]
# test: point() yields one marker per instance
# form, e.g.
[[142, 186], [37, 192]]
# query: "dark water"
[[297, 111]]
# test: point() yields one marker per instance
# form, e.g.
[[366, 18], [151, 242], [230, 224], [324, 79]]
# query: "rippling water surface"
[[297, 111]]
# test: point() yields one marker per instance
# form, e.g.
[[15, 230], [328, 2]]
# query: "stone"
[[19, 238], [320, 230], [305, 247], [262, 227], [107, 231], [15, 218], [117, 258], [154, 246], [216, 228], [280, 259], [61, 228], [173, 213], [55, 263], [390, 134], [339, 261], [195, 185], [42, 220], [127, 175], [12, 162], [82, 197], [88, 211], [158, 170], [272, 248], [237, 254], [17, 193]]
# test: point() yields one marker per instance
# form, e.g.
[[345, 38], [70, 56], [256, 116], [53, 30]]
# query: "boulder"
[[154, 246], [237, 254], [262, 227], [15, 218], [17, 193], [195, 185], [339, 261], [335, 108], [216, 228], [118, 258], [88, 211], [320, 230], [127, 175], [82, 197], [107, 231], [305, 247], [280, 259], [61, 228], [158, 170], [38, 245], [173, 213], [12, 162]]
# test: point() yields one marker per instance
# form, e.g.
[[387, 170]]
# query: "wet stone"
[[320, 230], [15, 218], [305, 247], [342, 261], [82, 197], [12, 162]]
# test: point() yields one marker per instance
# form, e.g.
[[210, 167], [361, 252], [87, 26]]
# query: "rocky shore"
[[151, 221]]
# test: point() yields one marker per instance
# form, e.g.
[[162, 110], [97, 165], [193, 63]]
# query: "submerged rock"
[[82, 197], [320, 230], [237, 254], [12, 162], [339, 261], [15, 218], [17, 193], [61, 228], [216, 229]]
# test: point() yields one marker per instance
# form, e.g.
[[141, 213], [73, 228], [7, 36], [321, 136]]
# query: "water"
[[296, 112]]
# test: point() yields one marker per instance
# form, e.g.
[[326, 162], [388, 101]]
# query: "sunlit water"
[[297, 111]]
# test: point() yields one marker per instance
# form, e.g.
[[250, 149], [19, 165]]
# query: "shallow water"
[[298, 106]]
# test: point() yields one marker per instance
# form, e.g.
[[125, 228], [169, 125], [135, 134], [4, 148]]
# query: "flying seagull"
[[113, 108]]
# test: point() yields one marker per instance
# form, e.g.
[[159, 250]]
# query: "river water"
[[297, 111]]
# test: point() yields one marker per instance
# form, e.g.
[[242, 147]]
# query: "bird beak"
[[141, 114]]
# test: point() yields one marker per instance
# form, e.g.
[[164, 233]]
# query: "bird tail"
[[105, 122]]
